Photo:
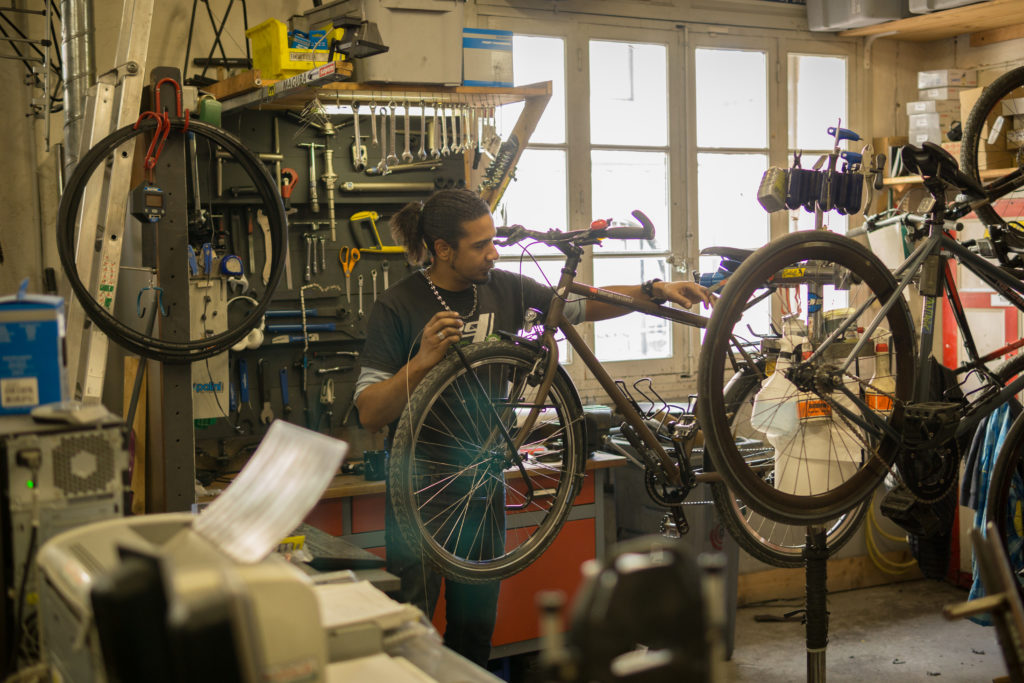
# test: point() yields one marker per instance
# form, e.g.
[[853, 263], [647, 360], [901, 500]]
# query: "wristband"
[[648, 289]]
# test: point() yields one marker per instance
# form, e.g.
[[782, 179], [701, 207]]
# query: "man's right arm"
[[382, 403]]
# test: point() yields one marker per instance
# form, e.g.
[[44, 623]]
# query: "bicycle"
[[490, 451], [836, 431]]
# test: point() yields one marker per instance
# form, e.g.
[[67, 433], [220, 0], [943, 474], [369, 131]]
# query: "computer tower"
[[53, 477]]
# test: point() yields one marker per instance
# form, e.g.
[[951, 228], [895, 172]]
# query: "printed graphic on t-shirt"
[[478, 330]]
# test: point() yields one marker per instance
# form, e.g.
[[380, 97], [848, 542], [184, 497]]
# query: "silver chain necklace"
[[444, 304]]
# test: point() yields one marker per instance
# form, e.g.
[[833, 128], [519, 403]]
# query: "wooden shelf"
[[916, 179], [1000, 17]]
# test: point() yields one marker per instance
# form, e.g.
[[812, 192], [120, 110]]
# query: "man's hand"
[[440, 332], [683, 293]]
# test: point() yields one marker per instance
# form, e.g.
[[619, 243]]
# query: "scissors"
[[349, 257]]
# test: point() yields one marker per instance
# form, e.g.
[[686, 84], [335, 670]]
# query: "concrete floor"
[[888, 633]]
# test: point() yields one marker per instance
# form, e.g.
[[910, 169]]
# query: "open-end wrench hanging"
[[358, 151], [406, 154], [435, 128], [422, 154], [373, 123], [445, 150], [455, 131], [264, 224], [392, 158], [360, 280], [383, 163], [314, 200], [323, 252], [309, 256]]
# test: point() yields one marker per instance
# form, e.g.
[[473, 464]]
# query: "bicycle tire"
[[977, 157], [1007, 478], [854, 461], [771, 542], [447, 446], [137, 342]]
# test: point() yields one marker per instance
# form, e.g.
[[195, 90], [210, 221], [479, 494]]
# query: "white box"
[[946, 93], [926, 6], [916, 122], [930, 106], [424, 37], [926, 135], [941, 78], [836, 15], [487, 57]]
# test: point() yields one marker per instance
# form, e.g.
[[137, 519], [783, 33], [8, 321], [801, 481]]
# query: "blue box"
[[487, 57], [32, 359]]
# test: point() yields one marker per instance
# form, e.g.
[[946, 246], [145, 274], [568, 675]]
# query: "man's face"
[[475, 255]]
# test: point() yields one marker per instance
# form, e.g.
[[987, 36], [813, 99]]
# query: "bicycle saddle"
[[931, 161], [731, 253]]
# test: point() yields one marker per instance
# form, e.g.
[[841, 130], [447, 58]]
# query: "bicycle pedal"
[[674, 524]]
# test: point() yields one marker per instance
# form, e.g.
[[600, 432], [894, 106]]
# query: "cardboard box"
[[487, 57], [953, 148], [926, 135], [993, 151], [32, 356], [947, 93], [917, 122], [934, 106], [941, 78], [1013, 106]]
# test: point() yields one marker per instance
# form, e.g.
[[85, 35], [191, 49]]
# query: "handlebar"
[[510, 234]]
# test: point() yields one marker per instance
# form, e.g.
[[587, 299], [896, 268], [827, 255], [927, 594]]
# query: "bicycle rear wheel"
[[458, 494], [775, 543], [998, 167], [829, 448], [1006, 484]]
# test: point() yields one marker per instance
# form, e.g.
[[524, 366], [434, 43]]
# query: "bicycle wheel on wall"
[[992, 162], [775, 543], [829, 448], [458, 494]]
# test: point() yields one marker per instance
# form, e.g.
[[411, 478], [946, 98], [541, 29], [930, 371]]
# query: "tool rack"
[[314, 349]]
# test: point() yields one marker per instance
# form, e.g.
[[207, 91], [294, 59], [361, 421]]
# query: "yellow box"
[[272, 56]]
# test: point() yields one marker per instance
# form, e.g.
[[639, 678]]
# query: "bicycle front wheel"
[[829, 448], [459, 492], [775, 543], [989, 160]]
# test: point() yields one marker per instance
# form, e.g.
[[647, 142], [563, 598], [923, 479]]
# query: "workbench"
[[353, 508]]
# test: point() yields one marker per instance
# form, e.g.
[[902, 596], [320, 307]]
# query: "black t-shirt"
[[400, 313]]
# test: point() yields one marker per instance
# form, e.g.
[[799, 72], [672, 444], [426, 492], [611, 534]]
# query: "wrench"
[[435, 152], [323, 253], [406, 154], [422, 154], [384, 267], [264, 223], [383, 163], [286, 404], [393, 144], [309, 247], [455, 131], [373, 123], [445, 150], [267, 414], [243, 394], [358, 155], [373, 274], [360, 295]]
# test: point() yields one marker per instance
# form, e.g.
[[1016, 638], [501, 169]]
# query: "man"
[[411, 328]]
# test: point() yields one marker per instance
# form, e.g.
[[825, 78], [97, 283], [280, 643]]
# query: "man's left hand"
[[683, 293]]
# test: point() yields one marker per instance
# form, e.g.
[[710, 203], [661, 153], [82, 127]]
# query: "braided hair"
[[418, 224]]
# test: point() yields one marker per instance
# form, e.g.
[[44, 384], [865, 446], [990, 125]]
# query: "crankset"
[[929, 457]]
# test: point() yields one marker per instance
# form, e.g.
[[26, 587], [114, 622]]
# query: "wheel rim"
[[467, 494], [826, 466]]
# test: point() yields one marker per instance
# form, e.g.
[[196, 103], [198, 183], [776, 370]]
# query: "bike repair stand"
[[815, 602]]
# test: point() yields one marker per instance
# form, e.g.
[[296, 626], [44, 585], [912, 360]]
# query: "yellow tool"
[[380, 248], [348, 257]]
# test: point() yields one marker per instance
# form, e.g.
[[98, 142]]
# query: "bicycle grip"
[[645, 232]]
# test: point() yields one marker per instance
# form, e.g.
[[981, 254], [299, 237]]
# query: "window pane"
[[536, 197], [732, 98], [727, 208], [634, 336], [536, 59], [624, 181], [628, 94], [817, 99]]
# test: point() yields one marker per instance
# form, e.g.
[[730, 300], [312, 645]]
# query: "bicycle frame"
[[555, 321]]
